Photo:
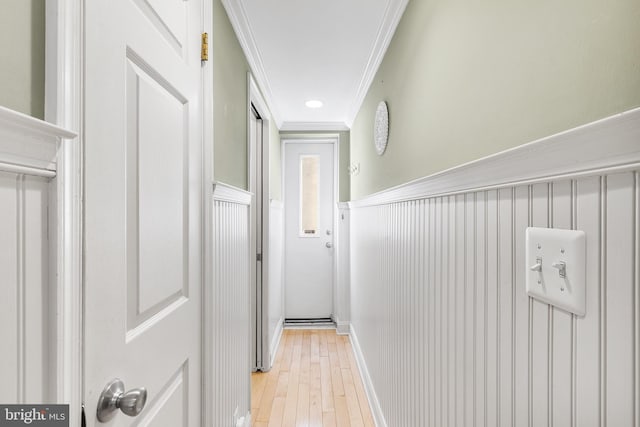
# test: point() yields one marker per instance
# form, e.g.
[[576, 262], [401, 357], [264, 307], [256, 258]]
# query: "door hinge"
[[259, 257], [204, 53]]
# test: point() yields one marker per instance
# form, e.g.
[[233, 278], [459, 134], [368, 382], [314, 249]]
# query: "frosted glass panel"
[[309, 186]]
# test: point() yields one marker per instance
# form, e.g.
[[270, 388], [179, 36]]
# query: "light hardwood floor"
[[314, 382]]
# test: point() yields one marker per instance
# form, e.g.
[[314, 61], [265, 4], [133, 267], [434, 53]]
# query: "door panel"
[[143, 206], [309, 205]]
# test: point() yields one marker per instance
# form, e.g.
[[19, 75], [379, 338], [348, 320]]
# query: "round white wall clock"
[[381, 128]]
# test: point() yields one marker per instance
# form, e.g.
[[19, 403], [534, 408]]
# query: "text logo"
[[34, 415]]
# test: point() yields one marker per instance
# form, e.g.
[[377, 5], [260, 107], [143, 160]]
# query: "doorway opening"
[[264, 329], [310, 194]]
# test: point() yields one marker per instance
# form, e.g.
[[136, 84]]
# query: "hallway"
[[314, 381]]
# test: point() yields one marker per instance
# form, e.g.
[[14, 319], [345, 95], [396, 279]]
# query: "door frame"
[[64, 77], [64, 107], [323, 138], [259, 335]]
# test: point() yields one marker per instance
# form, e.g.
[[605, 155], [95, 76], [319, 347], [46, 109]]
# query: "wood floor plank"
[[323, 343], [291, 405], [266, 402], [315, 396], [342, 354], [325, 384], [305, 358], [277, 412], [287, 343], [314, 382], [355, 415], [329, 419], [315, 348], [362, 395], [302, 412], [283, 383], [342, 412], [336, 373], [258, 383]]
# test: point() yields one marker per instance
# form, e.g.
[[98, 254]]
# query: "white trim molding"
[[276, 204], [374, 403], [64, 106], [240, 23], [275, 343], [606, 145], [342, 327], [393, 14], [209, 326], [229, 193], [314, 126], [29, 143]]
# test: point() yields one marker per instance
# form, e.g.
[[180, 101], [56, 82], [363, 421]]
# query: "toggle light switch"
[[556, 267]]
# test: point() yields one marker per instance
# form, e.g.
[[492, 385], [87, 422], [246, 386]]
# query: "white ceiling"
[[327, 50]]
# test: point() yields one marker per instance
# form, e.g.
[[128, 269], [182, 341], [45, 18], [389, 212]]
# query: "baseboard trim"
[[275, 342], [343, 327], [244, 421], [376, 410]]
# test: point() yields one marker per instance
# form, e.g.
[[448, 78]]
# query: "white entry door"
[[309, 207], [143, 208]]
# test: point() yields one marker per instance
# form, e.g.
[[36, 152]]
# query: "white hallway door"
[[309, 206], [143, 207]]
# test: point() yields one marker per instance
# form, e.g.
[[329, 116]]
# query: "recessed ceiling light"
[[313, 103]]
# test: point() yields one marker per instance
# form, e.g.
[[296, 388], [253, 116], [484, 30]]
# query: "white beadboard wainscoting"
[[444, 332], [230, 309], [40, 327], [275, 292], [27, 353]]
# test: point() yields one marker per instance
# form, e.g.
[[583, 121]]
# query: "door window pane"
[[309, 186]]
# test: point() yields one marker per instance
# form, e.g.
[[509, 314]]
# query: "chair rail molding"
[[229, 193], [29, 143], [604, 146]]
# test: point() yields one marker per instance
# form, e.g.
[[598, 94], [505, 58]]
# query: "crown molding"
[[390, 22], [314, 126], [605, 146], [240, 23]]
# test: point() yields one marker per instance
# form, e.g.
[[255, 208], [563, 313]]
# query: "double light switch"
[[556, 267]]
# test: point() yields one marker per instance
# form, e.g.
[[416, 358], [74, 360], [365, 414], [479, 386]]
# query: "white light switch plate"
[[549, 246]]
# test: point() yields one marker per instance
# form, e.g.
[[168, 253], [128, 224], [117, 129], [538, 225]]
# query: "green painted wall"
[[22, 35], [465, 80], [230, 70], [229, 102], [344, 154]]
